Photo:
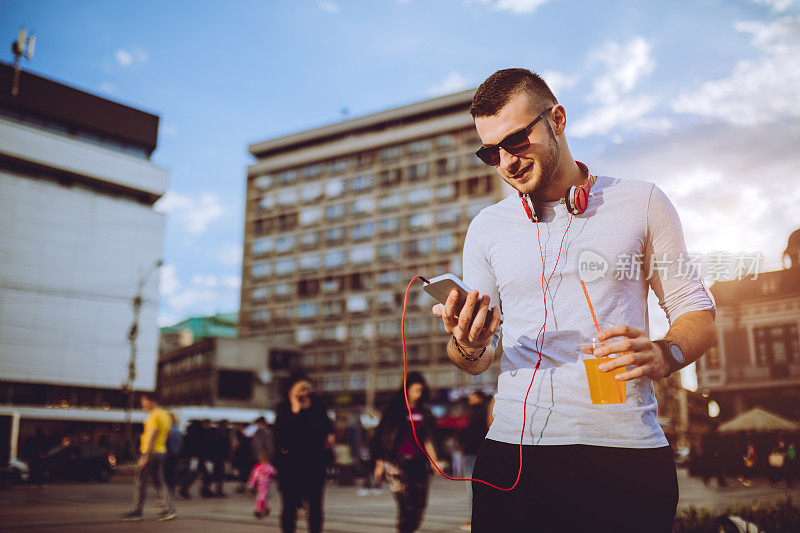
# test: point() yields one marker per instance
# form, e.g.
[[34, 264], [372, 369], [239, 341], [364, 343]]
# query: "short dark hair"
[[498, 89], [152, 396]]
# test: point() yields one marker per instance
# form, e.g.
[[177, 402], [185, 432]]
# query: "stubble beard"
[[547, 164]]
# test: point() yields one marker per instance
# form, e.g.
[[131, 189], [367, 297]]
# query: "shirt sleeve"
[[671, 272], [478, 272]]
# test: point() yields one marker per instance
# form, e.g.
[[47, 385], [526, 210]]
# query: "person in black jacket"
[[397, 454], [303, 436], [472, 437]]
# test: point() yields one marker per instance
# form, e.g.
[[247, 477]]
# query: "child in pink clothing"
[[260, 478]]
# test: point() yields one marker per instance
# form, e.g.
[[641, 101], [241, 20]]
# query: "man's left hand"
[[635, 349], [143, 459]]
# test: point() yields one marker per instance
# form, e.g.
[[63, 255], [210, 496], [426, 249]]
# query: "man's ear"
[[559, 117]]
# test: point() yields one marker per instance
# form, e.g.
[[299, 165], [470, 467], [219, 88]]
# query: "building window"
[[419, 147], [285, 243], [420, 195], [259, 293], [390, 201], [711, 359], [336, 211], [388, 277], [310, 215], [288, 176], [310, 360], [309, 239], [363, 182], [334, 235], [305, 335], [335, 258], [362, 254], [360, 331], [390, 250], [420, 220], [446, 191], [776, 347], [332, 358], [445, 242], [363, 206], [418, 171], [266, 202], [265, 182], [419, 247], [332, 383], [334, 333], [357, 304], [309, 194], [307, 310], [308, 287], [388, 328], [284, 312], [337, 166], [282, 290], [391, 177], [333, 308], [418, 326], [364, 160], [446, 140], [390, 154], [357, 382], [284, 267], [235, 384], [335, 187], [446, 165], [259, 315], [331, 285], [263, 245], [364, 230], [287, 197], [310, 262], [389, 225], [261, 269], [313, 171]]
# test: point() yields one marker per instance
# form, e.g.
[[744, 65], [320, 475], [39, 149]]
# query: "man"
[[150, 467], [262, 440], [303, 439], [585, 467]]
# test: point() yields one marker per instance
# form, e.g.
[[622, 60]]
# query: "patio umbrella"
[[758, 420]]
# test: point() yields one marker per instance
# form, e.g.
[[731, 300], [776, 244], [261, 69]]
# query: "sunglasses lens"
[[516, 143], [489, 155]]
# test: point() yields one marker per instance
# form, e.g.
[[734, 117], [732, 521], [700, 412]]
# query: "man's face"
[[301, 391], [531, 170], [147, 403]]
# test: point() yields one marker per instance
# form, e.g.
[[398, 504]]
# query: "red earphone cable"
[[539, 346]]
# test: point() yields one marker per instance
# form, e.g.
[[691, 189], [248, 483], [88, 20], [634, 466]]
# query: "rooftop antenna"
[[22, 47]]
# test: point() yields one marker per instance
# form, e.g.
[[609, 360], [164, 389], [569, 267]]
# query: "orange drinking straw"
[[591, 309]]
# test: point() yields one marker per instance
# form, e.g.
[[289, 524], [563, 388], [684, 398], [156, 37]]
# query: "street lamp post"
[[133, 333]]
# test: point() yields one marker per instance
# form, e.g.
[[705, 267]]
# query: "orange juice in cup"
[[603, 388]]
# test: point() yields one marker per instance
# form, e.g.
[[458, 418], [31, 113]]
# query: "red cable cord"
[[539, 346]]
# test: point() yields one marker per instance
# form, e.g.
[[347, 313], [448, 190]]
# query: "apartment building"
[[757, 359], [338, 220]]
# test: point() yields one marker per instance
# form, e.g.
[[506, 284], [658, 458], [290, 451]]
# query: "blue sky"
[[699, 97]]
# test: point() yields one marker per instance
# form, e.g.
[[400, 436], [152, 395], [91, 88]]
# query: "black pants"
[[409, 481], [574, 488], [295, 490]]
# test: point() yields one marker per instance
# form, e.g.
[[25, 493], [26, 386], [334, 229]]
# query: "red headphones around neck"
[[576, 199]]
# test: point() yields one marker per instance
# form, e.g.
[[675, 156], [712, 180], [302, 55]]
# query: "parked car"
[[79, 463]]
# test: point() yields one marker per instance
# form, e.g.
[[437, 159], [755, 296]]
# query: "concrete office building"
[[79, 234], [338, 220], [757, 359]]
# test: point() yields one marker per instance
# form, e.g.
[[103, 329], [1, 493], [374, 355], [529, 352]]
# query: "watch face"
[[676, 352]]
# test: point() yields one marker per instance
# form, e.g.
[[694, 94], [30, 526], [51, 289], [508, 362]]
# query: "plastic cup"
[[603, 388]]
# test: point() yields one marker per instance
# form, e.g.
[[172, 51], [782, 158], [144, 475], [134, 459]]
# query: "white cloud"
[[201, 280], [451, 83], [757, 91], [230, 255], [232, 282], [625, 114], [168, 280], [194, 213], [624, 67], [730, 185], [558, 81], [621, 66], [327, 5], [127, 57], [776, 5], [515, 6], [108, 87], [167, 130]]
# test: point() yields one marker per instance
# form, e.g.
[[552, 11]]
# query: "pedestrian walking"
[[749, 462], [408, 470], [260, 479], [153, 454], [243, 456], [191, 461], [777, 464], [174, 452], [303, 435], [220, 452]]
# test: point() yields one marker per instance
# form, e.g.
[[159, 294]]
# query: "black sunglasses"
[[514, 144]]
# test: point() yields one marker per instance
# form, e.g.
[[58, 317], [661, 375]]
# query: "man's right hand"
[[475, 324]]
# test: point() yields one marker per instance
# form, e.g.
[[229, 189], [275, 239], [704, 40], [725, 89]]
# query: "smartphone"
[[441, 286]]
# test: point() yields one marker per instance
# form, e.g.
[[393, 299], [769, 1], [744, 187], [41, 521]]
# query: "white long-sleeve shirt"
[[628, 224]]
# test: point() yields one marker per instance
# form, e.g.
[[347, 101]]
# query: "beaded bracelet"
[[465, 356]]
